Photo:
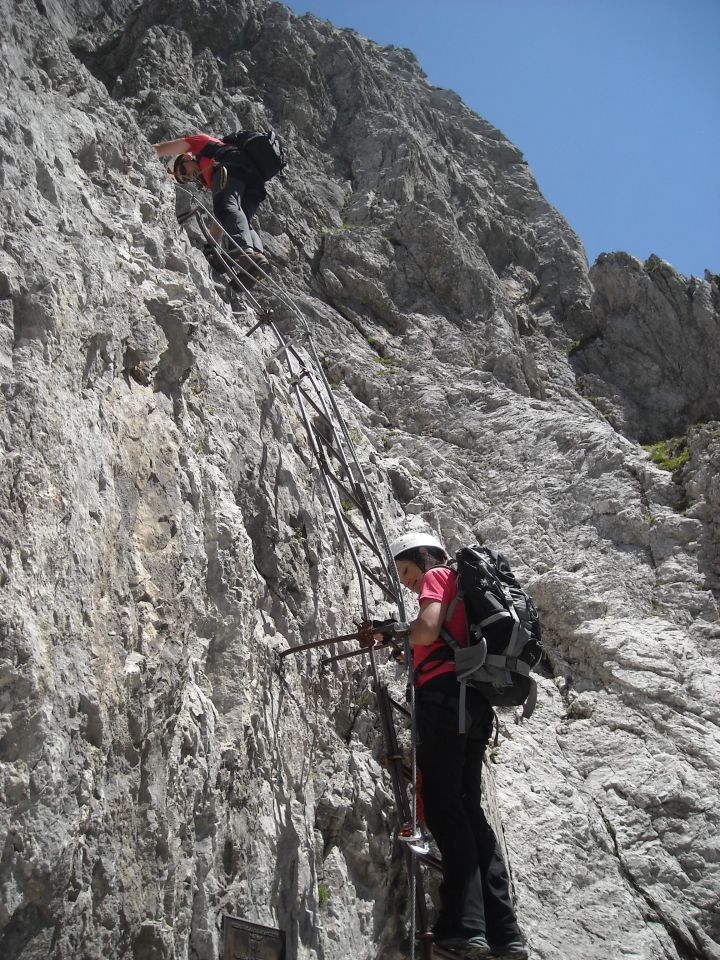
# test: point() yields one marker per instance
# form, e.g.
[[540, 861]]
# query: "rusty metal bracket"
[[363, 634], [265, 318]]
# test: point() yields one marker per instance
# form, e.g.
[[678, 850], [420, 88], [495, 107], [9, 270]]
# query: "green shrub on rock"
[[670, 454]]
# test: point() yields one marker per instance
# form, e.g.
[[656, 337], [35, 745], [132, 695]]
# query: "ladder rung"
[[400, 708], [386, 590], [345, 656], [317, 409]]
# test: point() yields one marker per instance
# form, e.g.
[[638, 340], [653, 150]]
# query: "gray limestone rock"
[[651, 355], [164, 529]]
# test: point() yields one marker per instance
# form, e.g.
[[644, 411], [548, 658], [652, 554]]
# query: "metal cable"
[[334, 418]]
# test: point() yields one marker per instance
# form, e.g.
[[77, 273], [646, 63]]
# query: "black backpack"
[[258, 155], [504, 636], [265, 151]]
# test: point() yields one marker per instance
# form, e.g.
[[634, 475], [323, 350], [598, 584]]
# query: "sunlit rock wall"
[[164, 529]]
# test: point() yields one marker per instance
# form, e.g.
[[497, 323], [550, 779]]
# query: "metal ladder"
[[345, 482]]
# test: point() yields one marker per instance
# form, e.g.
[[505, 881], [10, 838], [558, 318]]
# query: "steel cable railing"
[[309, 370]]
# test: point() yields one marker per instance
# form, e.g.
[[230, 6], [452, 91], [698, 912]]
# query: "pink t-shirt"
[[196, 143], [440, 584]]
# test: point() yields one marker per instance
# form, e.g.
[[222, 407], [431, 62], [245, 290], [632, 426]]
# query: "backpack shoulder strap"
[[210, 150], [449, 639], [458, 598]]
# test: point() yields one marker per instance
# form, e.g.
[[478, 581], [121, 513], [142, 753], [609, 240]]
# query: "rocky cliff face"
[[164, 530], [652, 354]]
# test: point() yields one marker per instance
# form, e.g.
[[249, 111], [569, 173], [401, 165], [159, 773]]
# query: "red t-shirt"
[[196, 143], [440, 584]]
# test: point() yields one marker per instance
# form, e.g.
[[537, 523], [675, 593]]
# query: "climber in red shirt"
[[235, 183], [476, 914]]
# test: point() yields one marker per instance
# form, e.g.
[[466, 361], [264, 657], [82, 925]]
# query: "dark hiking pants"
[[234, 205], [474, 893]]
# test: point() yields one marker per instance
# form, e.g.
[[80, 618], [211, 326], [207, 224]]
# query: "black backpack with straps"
[[504, 636], [260, 154]]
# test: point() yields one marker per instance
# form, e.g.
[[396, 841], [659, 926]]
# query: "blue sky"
[[615, 104]]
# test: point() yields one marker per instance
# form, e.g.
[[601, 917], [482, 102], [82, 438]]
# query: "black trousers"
[[235, 204], [475, 890]]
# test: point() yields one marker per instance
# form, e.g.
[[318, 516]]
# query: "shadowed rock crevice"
[[687, 947]]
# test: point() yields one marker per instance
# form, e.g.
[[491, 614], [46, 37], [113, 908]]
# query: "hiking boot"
[[515, 950], [261, 260], [212, 256], [471, 948], [245, 261], [250, 259], [244, 285]]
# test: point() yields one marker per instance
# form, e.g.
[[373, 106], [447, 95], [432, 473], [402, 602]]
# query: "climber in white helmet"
[[476, 914]]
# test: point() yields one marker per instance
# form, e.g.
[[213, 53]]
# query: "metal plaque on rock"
[[245, 940]]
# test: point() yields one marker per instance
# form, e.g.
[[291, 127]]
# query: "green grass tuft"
[[670, 455]]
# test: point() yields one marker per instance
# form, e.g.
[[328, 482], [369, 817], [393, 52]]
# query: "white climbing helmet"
[[410, 541]]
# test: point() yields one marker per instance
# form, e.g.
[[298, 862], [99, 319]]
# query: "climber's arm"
[[171, 148], [425, 628]]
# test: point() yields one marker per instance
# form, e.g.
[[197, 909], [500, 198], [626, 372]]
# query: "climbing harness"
[[346, 486]]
